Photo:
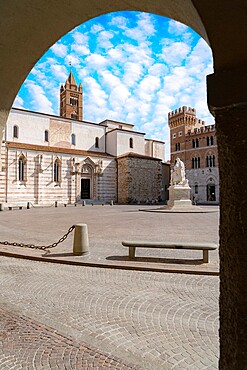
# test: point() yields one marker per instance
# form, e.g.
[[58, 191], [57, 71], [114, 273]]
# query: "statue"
[[178, 173]]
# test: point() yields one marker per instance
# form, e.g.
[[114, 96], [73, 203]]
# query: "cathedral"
[[64, 159]]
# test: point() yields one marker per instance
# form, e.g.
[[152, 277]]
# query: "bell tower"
[[71, 99]]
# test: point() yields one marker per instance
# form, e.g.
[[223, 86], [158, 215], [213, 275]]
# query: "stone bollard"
[[56, 203], [111, 203], [28, 205], [81, 243], [83, 203], [1, 207]]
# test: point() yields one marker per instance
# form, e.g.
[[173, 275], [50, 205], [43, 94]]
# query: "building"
[[195, 144], [62, 158]]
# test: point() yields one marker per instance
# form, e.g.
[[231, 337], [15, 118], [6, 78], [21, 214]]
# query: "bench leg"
[[205, 256], [132, 251]]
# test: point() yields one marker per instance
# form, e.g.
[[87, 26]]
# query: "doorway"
[[211, 197], [85, 188]]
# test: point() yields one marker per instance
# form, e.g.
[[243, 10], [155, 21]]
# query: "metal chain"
[[42, 247]]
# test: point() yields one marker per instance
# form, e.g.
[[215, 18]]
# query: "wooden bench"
[[205, 247]]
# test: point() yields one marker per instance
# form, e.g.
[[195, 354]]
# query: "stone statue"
[[178, 173]]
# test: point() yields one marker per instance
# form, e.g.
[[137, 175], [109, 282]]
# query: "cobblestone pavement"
[[107, 227], [75, 317]]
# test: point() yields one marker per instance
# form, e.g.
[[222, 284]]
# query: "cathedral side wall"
[[39, 187]]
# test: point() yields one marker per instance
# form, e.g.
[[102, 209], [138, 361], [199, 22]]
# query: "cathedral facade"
[[65, 159], [196, 145]]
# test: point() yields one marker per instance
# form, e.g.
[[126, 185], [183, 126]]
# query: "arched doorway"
[[86, 182]]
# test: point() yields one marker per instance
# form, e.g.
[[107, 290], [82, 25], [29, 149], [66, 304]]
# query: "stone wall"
[[139, 178]]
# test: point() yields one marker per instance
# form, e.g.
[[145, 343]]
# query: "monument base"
[[179, 196]]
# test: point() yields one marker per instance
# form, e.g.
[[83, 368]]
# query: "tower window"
[[96, 142], [177, 146], [74, 115], [195, 143], [46, 135], [196, 162], [73, 139], [16, 131], [210, 161], [131, 143]]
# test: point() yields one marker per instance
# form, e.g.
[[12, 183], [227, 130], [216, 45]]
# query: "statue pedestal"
[[179, 196]]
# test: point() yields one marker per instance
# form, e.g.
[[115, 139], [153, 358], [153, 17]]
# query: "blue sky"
[[134, 67]]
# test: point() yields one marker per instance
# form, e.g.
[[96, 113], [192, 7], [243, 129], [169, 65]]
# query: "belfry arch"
[[29, 28]]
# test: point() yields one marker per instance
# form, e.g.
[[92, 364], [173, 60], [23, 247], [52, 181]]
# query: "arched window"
[[212, 140], [213, 160], [46, 135], [21, 168], [196, 189], [131, 143], [177, 146], [74, 115], [96, 142], [197, 143], [193, 143], [196, 162], [73, 139], [56, 170], [16, 131]]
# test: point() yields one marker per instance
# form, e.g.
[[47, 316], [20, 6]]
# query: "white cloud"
[[175, 53], [60, 50], [18, 102], [96, 28], [60, 72], [132, 73], [103, 39], [72, 59], [144, 29], [96, 61], [177, 28], [119, 21], [39, 100]]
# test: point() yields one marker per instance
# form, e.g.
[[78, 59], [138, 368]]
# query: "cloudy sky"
[[134, 67]]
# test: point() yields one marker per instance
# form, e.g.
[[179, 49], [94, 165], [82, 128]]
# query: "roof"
[[71, 79], [118, 122], [123, 131], [55, 149], [136, 155]]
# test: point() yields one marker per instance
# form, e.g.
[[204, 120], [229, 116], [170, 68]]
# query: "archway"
[[222, 24]]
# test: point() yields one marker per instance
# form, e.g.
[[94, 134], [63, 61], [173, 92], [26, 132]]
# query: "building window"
[[131, 143], [73, 139], [46, 135], [196, 162], [180, 133], [120, 126], [210, 161], [177, 146], [74, 115], [210, 140], [96, 142], [196, 189], [56, 171], [195, 143], [21, 168], [174, 135], [16, 131]]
